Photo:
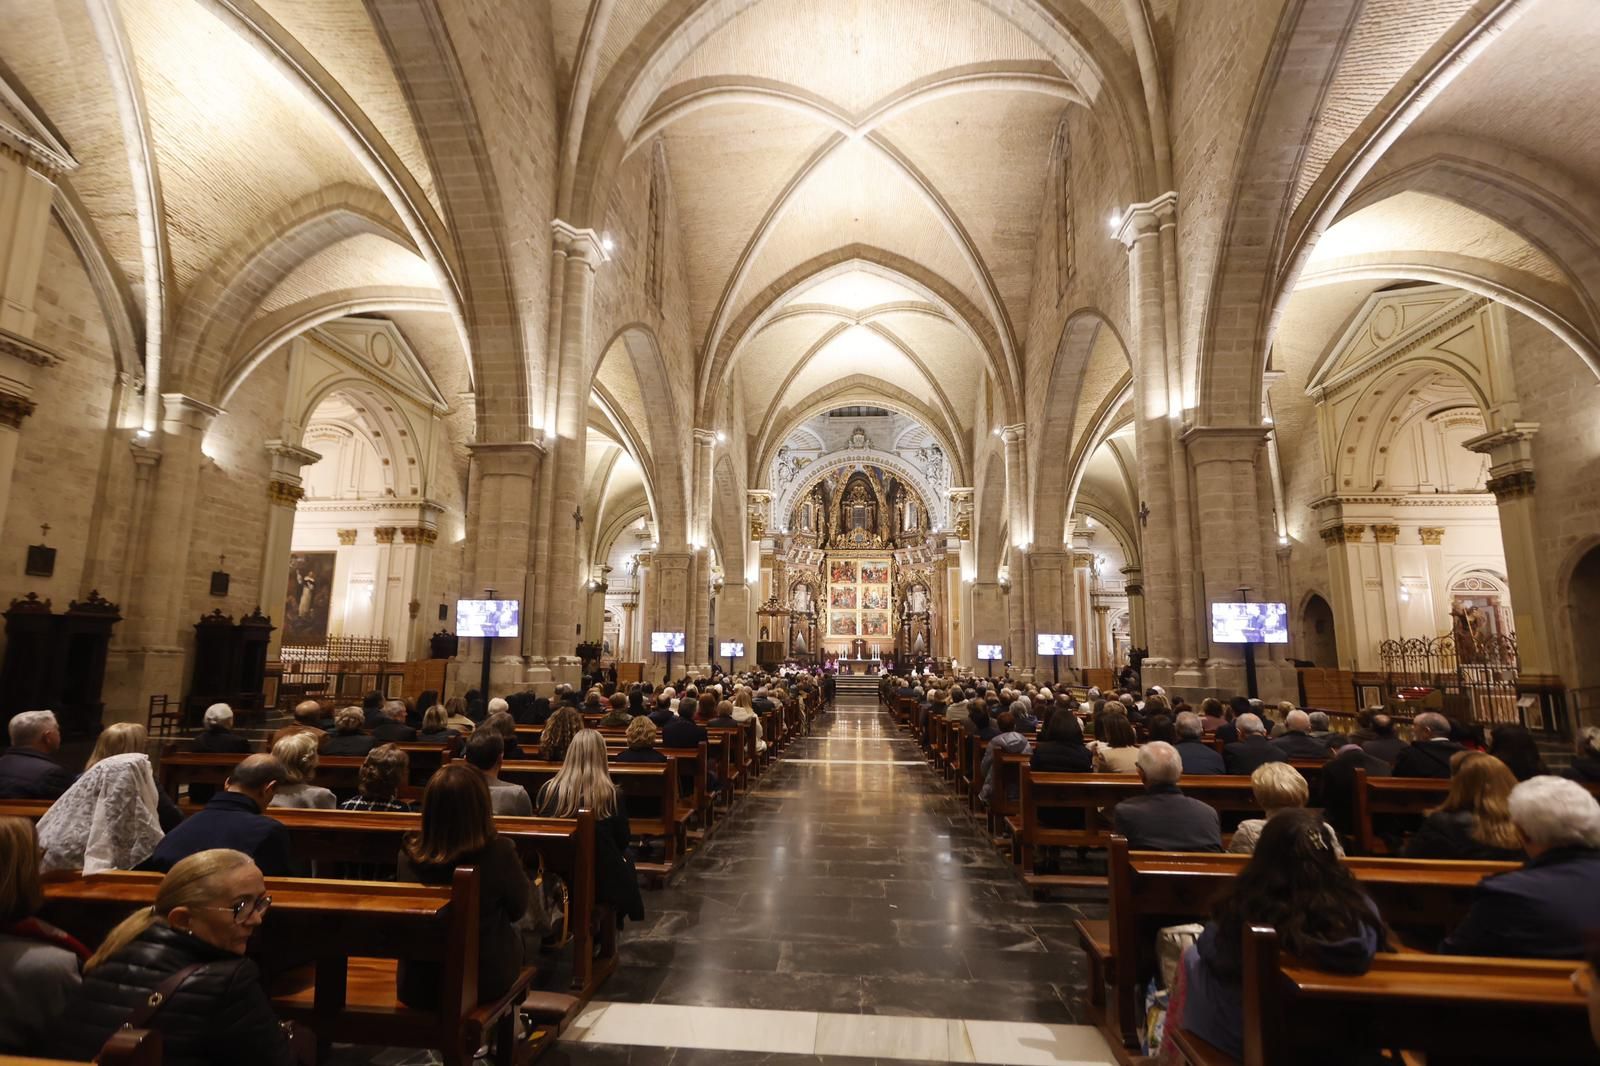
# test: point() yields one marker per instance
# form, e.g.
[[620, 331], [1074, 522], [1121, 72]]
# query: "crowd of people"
[[114, 816], [1503, 804]]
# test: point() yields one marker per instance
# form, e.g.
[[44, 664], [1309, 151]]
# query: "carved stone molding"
[[1385, 534], [347, 537], [1082, 560], [284, 494], [1431, 534], [14, 409], [1512, 486], [26, 351], [1351, 533], [384, 534], [419, 534]]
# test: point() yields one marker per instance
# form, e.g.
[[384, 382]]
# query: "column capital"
[[191, 412], [1138, 221], [1431, 534], [1350, 532], [1014, 434], [143, 454], [14, 410], [705, 438], [284, 493], [1082, 560], [347, 537], [1385, 534], [1224, 444], [1512, 485], [578, 243], [384, 534], [419, 534]]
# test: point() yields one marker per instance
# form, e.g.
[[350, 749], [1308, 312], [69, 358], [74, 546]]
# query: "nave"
[[851, 910]]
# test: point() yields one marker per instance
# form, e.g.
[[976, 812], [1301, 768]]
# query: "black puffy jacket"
[[220, 1014]]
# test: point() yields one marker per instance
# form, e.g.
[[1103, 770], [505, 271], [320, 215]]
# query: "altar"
[[859, 667]]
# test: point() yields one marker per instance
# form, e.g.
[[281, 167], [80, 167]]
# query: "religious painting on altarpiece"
[[842, 624], [842, 573], [875, 624], [874, 573], [842, 597], [875, 599]]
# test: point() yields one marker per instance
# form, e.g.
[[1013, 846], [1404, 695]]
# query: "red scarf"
[[34, 929]]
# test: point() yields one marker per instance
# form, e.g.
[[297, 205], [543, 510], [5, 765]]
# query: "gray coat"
[[36, 981]]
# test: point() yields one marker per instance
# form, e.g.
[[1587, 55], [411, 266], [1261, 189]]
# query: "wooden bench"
[[565, 845], [650, 791], [347, 938], [339, 773], [125, 1047], [1150, 889], [1488, 1010]]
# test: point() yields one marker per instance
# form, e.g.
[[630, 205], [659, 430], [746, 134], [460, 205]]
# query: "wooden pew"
[[1381, 797], [352, 933], [566, 846], [1151, 889], [1090, 794], [1489, 1010], [339, 773], [650, 790]]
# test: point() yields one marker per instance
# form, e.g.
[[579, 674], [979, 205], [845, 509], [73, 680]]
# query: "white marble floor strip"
[[861, 1035], [855, 762]]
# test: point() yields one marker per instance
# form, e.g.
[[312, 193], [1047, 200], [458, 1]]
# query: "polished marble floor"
[[849, 908]]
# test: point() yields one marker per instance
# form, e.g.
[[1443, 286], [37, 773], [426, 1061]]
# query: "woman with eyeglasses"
[[205, 910]]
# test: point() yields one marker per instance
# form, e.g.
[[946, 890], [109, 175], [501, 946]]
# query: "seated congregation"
[[450, 876], [1246, 845]]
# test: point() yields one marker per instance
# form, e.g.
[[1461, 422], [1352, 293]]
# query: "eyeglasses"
[[245, 908]]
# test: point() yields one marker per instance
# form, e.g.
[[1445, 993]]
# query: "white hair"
[[1160, 762], [497, 705], [1297, 722], [219, 716], [1190, 726], [1554, 812], [1319, 720], [1250, 723], [29, 726]]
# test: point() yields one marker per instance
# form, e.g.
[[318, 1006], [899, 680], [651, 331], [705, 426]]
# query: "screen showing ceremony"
[[665, 642], [732, 651], [1055, 643], [989, 651], [486, 618], [1250, 623]]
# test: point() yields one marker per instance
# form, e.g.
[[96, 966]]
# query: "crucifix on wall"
[[577, 517]]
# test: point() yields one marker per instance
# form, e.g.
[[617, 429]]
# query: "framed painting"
[[307, 598], [875, 624], [842, 625], [842, 573], [842, 597], [874, 573], [875, 599]]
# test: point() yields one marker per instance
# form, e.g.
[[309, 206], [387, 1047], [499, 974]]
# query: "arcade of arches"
[[967, 322]]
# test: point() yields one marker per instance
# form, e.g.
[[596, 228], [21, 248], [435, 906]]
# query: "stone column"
[[1432, 539], [1385, 535], [733, 619], [1511, 479], [1133, 584], [671, 604], [417, 577], [502, 529], [560, 599], [1106, 647], [1083, 612], [644, 615], [1019, 607], [627, 641], [1157, 409], [285, 490], [1052, 591], [1347, 584]]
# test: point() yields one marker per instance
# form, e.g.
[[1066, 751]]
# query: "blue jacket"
[[1538, 912], [230, 820], [29, 774]]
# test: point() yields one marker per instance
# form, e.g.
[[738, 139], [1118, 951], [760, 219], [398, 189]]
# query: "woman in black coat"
[[584, 782], [205, 910], [1061, 750], [458, 830]]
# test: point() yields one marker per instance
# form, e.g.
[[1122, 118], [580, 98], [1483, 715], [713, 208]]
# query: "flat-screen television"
[[732, 650], [990, 651], [665, 642], [1250, 623], [487, 618], [1055, 643]]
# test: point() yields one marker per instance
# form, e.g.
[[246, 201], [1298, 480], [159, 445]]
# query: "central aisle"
[[849, 908]]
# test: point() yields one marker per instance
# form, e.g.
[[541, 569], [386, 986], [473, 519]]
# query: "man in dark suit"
[[1164, 819], [1252, 748], [219, 737], [1297, 742], [683, 731], [29, 769], [233, 819], [1543, 910], [1198, 756], [393, 729], [372, 709], [1339, 785], [1384, 744], [1428, 754]]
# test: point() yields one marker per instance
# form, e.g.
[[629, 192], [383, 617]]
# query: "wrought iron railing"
[[1474, 675]]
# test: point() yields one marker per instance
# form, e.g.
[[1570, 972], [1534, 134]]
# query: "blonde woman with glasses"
[[216, 1010], [584, 783]]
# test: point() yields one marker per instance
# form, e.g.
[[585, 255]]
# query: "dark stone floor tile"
[[980, 1000], [574, 1054], [869, 960], [761, 991]]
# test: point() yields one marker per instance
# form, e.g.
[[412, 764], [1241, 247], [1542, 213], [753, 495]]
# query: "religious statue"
[[800, 598], [917, 599]]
